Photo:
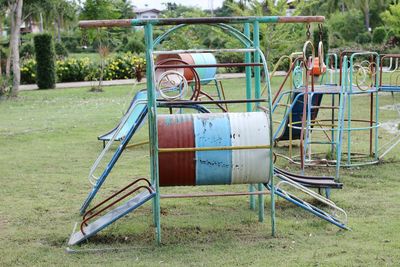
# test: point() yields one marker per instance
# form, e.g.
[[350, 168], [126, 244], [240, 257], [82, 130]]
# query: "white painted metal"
[[250, 165]]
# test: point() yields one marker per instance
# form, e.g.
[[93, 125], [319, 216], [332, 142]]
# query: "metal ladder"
[[98, 181]]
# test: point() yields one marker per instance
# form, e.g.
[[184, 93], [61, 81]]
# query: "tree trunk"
[[15, 48], [12, 27], [1, 37], [366, 14], [41, 23], [58, 29]]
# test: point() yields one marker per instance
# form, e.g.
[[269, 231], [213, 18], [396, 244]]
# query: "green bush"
[[28, 71], [71, 43], [27, 50], [231, 57], [364, 38], [347, 23], [45, 58], [60, 50], [74, 70], [379, 35], [5, 85], [122, 66]]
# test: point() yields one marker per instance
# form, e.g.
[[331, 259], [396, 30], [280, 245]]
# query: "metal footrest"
[[307, 206], [89, 229]]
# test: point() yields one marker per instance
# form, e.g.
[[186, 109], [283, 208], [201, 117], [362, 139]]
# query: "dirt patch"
[[391, 126]]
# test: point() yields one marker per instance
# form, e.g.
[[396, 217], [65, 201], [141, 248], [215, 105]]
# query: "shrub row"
[[121, 66]]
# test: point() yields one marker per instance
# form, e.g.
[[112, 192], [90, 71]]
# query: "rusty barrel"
[[215, 167], [205, 74]]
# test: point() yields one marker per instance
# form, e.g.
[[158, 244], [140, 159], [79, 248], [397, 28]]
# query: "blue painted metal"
[[111, 217], [308, 207], [141, 95], [389, 88], [296, 109], [114, 159], [210, 72], [212, 167], [199, 60]]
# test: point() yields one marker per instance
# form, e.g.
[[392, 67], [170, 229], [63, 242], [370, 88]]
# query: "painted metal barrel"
[[240, 165], [206, 74]]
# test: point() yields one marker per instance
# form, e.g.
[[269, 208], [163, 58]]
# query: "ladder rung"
[[324, 107], [284, 105], [322, 142]]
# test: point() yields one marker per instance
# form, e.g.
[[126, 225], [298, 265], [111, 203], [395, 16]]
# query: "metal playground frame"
[[143, 190]]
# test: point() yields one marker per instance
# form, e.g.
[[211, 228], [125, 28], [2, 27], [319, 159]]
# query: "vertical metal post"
[[342, 101], [377, 106], [152, 118], [350, 90], [247, 59], [257, 94]]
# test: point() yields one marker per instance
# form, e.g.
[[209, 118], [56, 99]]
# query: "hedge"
[[121, 66], [45, 61]]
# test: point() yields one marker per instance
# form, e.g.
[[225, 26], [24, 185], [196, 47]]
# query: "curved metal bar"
[[229, 29], [84, 222], [115, 194], [160, 38]]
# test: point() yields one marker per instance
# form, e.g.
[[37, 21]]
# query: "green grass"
[[48, 143]]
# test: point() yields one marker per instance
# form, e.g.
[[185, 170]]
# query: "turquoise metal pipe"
[[257, 95], [152, 117], [231, 30], [350, 86], [247, 59]]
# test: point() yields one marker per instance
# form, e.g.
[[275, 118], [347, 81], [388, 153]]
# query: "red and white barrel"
[[212, 167]]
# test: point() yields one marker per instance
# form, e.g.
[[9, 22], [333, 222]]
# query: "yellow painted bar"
[[137, 144], [192, 149]]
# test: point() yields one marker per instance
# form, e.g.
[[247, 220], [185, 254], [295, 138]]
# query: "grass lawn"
[[48, 141]]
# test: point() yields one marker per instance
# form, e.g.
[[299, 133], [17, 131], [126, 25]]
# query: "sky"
[[203, 4]]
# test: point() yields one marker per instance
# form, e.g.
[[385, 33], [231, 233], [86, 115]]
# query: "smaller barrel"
[[205, 74]]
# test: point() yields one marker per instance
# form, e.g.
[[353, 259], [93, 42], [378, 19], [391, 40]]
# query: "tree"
[[15, 7], [126, 10], [100, 9], [391, 18], [347, 24]]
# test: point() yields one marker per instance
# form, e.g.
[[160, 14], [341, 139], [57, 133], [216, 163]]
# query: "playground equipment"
[[391, 85], [202, 149], [302, 104], [357, 75], [206, 75]]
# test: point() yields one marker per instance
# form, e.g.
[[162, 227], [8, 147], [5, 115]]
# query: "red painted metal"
[[85, 220], [90, 212], [187, 58], [176, 168], [195, 75]]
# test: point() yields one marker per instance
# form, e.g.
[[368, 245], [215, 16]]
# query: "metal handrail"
[[309, 192], [113, 195], [86, 219], [92, 178]]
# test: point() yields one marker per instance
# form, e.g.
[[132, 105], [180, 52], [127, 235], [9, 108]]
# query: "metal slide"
[[141, 95], [296, 109], [332, 218], [139, 107]]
